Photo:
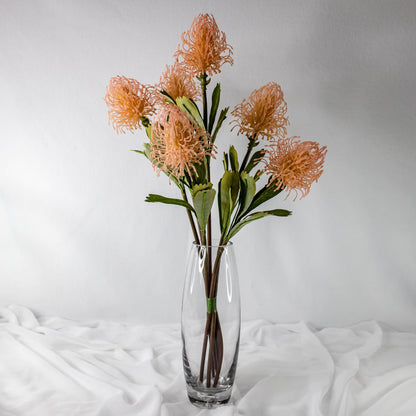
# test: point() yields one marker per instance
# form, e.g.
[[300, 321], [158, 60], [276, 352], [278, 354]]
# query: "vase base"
[[208, 398], [207, 404]]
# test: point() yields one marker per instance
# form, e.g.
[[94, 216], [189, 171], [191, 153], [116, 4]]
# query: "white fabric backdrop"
[[76, 237], [54, 366]]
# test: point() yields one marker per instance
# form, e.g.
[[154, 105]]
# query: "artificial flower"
[[128, 101], [177, 145], [204, 47], [262, 114], [295, 165], [178, 83]]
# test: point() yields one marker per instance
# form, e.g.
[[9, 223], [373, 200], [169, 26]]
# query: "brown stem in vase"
[[204, 347], [211, 346], [220, 351], [213, 331], [217, 328]]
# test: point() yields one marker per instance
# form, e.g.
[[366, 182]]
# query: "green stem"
[[204, 82], [251, 144], [203, 79]]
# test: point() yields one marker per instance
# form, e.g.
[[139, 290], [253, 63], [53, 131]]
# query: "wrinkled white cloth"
[[58, 367]]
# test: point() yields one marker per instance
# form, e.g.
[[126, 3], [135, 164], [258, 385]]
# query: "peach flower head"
[[262, 114], [177, 144], [204, 47], [294, 164], [178, 83], [128, 101]]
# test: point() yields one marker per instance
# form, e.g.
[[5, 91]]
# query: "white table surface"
[[58, 367]]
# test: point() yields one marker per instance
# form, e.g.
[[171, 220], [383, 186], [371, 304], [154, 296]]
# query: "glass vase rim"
[[214, 244]]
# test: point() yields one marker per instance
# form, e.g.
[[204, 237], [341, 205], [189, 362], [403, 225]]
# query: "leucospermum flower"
[[204, 47], [295, 165], [178, 83], [128, 101], [176, 143], [262, 114]]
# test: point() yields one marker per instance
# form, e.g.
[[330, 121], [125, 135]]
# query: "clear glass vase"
[[211, 320]]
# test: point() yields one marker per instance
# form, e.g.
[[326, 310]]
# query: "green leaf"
[[269, 191], [149, 131], [255, 160], [170, 201], [256, 216], [258, 174], [203, 197], [221, 118], [195, 105], [214, 106], [147, 150], [147, 125], [168, 98], [187, 105], [200, 176], [201, 187], [159, 165], [228, 189], [234, 159], [225, 162], [248, 190]]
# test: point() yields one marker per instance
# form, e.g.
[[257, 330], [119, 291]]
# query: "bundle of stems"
[[182, 145]]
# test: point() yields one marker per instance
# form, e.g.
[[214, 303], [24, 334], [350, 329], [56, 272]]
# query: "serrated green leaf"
[[256, 216], [187, 105], [203, 201], [201, 187], [214, 106], [170, 201], [221, 118], [233, 159]]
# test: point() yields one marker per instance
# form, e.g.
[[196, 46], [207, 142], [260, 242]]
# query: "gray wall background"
[[77, 238]]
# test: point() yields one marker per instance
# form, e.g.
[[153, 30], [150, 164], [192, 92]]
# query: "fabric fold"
[[55, 366]]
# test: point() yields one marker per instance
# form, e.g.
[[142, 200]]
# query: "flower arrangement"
[[181, 144]]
